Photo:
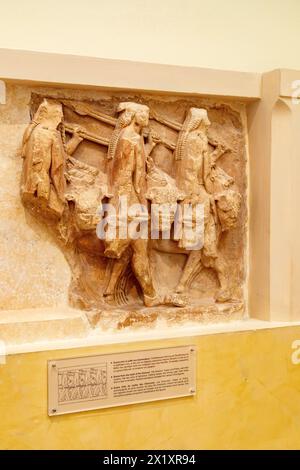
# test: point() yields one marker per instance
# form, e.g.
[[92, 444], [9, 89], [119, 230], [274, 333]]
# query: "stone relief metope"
[[146, 199]]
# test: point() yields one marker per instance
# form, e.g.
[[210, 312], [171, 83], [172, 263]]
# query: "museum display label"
[[102, 381]]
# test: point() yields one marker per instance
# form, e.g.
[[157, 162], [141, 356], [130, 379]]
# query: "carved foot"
[[180, 288], [152, 301], [109, 299], [172, 299], [176, 300], [224, 295]]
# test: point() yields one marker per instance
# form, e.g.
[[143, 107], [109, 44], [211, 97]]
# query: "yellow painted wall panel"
[[248, 397]]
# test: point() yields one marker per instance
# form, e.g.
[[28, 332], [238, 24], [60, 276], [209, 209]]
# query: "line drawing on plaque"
[[82, 384]]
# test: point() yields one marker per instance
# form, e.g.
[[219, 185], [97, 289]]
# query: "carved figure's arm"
[[217, 153], [139, 169], [74, 141]]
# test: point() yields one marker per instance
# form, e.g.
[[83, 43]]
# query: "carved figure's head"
[[142, 116], [49, 111], [196, 118], [128, 112]]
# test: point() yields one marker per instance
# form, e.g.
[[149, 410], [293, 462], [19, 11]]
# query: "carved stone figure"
[[202, 181], [44, 153], [128, 178]]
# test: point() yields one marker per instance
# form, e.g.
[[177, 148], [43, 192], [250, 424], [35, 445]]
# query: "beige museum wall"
[[248, 385], [232, 35]]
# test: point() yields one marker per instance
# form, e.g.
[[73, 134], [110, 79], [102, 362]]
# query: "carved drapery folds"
[[139, 164]]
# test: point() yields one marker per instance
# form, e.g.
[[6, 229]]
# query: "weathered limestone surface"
[[44, 324], [51, 254], [33, 271]]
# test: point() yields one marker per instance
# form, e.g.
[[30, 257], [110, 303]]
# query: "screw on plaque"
[[192, 390], [192, 349], [54, 410], [53, 365]]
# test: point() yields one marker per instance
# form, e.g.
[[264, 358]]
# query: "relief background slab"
[[39, 272]]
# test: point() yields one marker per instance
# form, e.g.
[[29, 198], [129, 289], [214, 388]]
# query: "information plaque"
[[102, 381]]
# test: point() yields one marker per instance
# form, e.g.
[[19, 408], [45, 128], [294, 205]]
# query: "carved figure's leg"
[[141, 268], [220, 266], [210, 238], [224, 294], [192, 263], [118, 267]]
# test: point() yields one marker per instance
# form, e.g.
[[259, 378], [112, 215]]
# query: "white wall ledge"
[[72, 70], [185, 333]]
